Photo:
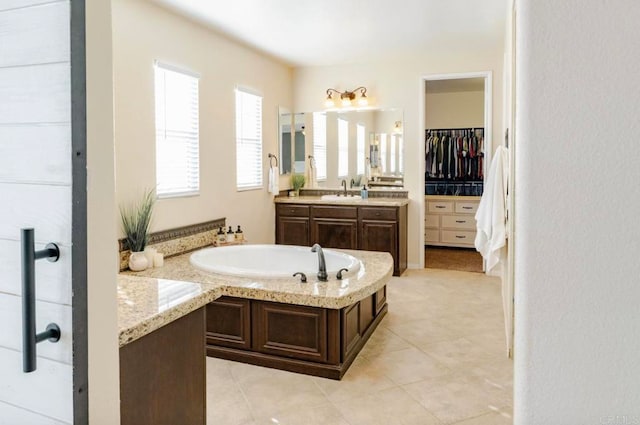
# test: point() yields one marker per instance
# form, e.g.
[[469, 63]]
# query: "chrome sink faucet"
[[344, 185], [322, 266]]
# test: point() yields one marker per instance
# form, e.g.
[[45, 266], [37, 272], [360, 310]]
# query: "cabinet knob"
[[292, 210]]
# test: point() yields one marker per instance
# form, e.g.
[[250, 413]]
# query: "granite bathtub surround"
[[373, 192], [176, 241], [154, 297]]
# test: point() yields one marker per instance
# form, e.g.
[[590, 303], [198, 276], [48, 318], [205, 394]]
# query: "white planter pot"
[[138, 262]]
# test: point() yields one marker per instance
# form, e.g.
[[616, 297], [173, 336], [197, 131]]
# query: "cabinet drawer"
[[293, 210], [466, 207], [431, 235], [334, 212], [439, 207], [378, 213], [463, 222], [462, 237], [432, 221]]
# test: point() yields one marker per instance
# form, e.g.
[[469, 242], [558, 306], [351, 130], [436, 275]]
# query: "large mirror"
[[358, 146], [292, 141]]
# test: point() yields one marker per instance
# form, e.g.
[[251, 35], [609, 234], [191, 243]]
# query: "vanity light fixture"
[[347, 97]]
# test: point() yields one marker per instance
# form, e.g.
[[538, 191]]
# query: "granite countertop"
[[150, 299], [146, 304], [373, 202]]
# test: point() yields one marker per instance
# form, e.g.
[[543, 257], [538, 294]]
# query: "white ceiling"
[[334, 32]]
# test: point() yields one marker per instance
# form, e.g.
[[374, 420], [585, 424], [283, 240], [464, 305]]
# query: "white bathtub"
[[271, 261]]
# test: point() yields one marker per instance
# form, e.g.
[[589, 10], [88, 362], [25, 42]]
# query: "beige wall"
[[455, 109], [143, 33], [399, 84]]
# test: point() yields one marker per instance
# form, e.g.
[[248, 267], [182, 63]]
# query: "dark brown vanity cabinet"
[[334, 227], [369, 228], [292, 227], [311, 340]]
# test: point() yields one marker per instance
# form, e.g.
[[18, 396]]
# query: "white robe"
[[491, 217]]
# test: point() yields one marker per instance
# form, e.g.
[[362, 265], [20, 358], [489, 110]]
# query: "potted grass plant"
[[135, 224], [297, 182]]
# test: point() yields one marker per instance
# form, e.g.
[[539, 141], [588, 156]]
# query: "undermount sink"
[[340, 198]]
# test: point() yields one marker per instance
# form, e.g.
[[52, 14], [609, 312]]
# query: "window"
[[360, 149], [343, 147], [248, 140], [383, 152], [177, 140], [392, 154], [320, 144]]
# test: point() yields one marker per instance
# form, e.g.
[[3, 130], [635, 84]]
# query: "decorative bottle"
[[230, 235], [222, 237], [239, 234]]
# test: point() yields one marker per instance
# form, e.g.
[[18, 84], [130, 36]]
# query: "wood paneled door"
[[43, 186]]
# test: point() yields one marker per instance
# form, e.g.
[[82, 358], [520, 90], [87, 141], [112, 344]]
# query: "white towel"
[[492, 211], [312, 182], [274, 180]]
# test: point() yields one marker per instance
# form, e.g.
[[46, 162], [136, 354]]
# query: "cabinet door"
[[380, 236], [292, 231], [229, 323], [335, 233], [290, 330]]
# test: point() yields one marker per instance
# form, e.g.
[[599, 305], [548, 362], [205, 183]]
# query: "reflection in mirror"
[[299, 142], [360, 147], [291, 138], [284, 137]]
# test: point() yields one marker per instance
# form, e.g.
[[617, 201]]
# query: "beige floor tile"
[[408, 365], [460, 398], [270, 391], [499, 417], [392, 406], [422, 332], [457, 353], [361, 379], [320, 415], [383, 341], [229, 414]]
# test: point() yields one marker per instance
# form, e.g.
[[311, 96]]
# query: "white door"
[[37, 191]]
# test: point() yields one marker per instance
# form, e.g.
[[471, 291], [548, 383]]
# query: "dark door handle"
[[29, 336]]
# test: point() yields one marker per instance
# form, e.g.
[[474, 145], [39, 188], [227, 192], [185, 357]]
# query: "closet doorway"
[[457, 152]]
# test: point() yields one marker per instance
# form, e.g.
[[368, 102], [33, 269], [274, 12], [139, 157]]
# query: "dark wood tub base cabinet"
[[309, 340]]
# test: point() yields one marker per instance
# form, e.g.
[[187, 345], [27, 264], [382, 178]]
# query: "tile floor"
[[438, 357]]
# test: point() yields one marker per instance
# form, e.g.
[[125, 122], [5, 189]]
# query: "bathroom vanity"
[[374, 224]]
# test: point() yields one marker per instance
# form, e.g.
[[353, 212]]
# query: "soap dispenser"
[[239, 234], [221, 237], [364, 193], [230, 235]]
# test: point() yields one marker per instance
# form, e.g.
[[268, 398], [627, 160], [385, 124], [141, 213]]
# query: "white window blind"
[[383, 152], [248, 140], [343, 147], [177, 128], [320, 144], [360, 149]]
